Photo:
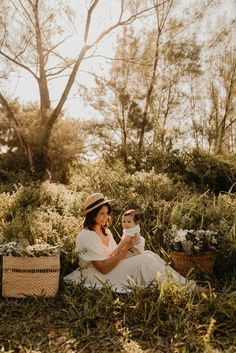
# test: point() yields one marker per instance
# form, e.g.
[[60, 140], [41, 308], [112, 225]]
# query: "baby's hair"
[[134, 214]]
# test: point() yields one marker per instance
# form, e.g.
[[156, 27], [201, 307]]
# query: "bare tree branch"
[[67, 89], [19, 64], [60, 69], [131, 61], [57, 45], [120, 23], [88, 19], [25, 11], [83, 51]]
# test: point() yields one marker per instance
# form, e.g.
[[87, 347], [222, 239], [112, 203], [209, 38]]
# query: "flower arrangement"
[[192, 241], [36, 250]]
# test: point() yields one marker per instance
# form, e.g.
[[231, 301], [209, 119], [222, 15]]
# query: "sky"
[[21, 84]]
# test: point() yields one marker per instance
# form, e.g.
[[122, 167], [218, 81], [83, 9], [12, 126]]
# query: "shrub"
[[42, 213], [205, 211], [215, 213], [207, 171]]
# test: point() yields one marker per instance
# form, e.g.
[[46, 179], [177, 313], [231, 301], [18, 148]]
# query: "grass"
[[149, 320], [78, 320]]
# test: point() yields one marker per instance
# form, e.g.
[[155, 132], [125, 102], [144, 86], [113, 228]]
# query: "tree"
[[34, 43], [217, 100], [66, 146], [144, 92]]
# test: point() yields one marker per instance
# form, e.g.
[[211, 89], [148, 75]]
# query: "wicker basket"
[[30, 276], [183, 262]]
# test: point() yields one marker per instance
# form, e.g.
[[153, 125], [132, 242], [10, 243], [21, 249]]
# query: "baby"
[[131, 228]]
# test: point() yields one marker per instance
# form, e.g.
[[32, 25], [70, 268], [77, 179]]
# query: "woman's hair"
[[134, 214], [90, 222]]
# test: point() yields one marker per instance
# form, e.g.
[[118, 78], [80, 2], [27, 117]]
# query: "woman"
[[99, 265]]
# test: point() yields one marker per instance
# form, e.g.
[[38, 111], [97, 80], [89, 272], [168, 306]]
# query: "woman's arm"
[[105, 266], [121, 244]]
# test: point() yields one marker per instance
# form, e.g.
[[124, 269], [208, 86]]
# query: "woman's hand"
[[125, 244], [133, 241], [129, 242]]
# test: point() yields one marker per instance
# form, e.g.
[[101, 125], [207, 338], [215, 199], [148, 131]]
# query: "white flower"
[[192, 241], [180, 235]]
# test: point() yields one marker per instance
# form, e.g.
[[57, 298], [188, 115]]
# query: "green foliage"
[[41, 213], [65, 148], [206, 211], [147, 320], [216, 213], [61, 156], [207, 171]]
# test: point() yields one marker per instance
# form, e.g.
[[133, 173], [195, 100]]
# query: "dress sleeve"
[[89, 247]]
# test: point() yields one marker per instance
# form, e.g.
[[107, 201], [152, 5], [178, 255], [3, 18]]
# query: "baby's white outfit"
[[131, 232]]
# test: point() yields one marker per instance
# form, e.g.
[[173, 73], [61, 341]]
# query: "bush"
[[208, 172], [216, 213], [42, 213]]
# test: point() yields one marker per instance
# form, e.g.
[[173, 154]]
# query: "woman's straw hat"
[[94, 201]]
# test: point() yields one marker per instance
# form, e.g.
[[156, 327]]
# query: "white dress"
[[139, 270]]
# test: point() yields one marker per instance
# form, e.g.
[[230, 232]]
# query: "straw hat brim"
[[83, 213]]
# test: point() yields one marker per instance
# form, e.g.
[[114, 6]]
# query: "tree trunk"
[[41, 160]]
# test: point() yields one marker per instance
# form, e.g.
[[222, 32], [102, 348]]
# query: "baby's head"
[[129, 219]]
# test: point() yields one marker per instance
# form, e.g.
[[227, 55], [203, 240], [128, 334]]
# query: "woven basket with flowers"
[[192, 249]]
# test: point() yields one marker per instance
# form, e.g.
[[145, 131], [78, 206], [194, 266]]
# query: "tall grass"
[[147, 320]]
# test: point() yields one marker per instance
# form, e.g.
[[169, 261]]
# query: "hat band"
[[94, 203]]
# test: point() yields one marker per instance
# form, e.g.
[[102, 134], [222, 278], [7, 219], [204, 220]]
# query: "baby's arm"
[[121, 245]]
